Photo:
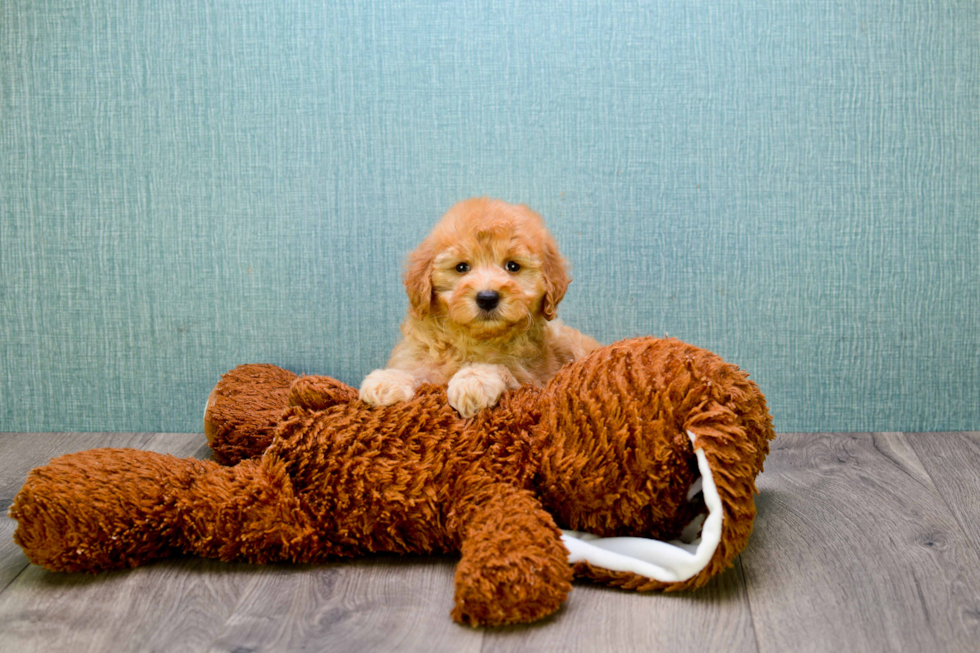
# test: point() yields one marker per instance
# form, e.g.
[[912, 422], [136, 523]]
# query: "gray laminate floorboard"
[[12, 560], [953, 461], [855, 550], [596, 618], [387, 603], [864, 542]]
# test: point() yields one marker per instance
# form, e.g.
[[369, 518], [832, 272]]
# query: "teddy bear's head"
[[627, 436]]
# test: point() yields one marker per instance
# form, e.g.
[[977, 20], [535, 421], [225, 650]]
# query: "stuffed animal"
[[646, 451]]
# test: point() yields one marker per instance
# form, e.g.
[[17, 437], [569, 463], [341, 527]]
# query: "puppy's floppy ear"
[[555, 280], [418, 280]]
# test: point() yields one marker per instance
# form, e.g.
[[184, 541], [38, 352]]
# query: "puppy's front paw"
[[386, 387], [474, 388]]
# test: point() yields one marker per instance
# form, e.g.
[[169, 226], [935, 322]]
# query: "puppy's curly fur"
[[483, 289]]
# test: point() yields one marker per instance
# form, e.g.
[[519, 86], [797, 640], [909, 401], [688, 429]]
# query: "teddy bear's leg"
[[102, 509], [514, 567], [248, 513], [115, 508]]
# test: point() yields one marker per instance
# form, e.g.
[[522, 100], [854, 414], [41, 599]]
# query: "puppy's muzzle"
[[487, 299]]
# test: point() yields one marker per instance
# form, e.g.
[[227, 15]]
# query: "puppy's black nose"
[[487, 299]]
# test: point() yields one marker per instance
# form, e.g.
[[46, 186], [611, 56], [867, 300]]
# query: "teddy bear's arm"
[[514, 567], [246, 406], [115, 508]]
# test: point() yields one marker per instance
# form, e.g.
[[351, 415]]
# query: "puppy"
[[483, 291]]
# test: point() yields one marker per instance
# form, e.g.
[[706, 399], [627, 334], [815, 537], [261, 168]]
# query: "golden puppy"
[[483, 290]]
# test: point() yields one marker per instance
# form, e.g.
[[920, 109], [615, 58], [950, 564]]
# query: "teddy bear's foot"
[[243, 411], [514, 567], [509, 592], [104, 509]]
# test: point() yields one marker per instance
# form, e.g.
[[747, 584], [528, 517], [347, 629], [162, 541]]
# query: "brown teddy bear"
[[647, 450]]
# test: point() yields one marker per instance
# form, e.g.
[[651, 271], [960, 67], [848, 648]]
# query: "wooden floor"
[[864, 542]]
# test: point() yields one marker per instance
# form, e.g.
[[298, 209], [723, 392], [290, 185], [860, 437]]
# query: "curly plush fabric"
[[614, 446]]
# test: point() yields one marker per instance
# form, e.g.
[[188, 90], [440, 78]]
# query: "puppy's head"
[[488, 267]]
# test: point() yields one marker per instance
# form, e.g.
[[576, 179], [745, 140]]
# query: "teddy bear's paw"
[[387, 387], [509, 592], [476, 387]]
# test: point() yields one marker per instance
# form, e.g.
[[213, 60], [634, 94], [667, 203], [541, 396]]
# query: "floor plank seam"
[[748, 603], [14, 578]]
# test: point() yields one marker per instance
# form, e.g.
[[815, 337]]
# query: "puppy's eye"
[[513, 266], [462, 267]]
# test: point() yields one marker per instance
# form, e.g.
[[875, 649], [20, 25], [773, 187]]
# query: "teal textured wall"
[[189, 186]]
